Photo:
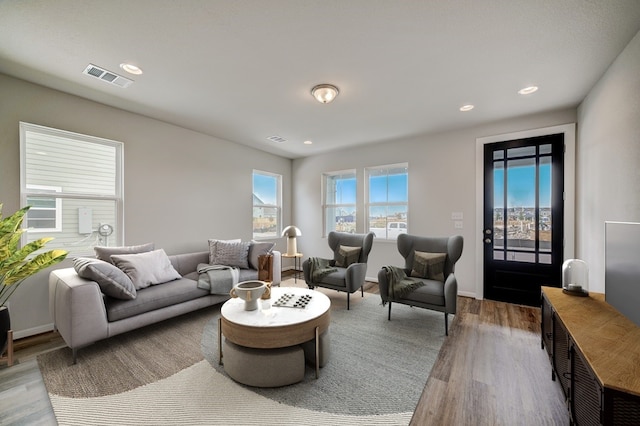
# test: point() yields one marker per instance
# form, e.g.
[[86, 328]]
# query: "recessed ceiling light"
[[307, 142], [131, 69], [528, 90], [465, 108]]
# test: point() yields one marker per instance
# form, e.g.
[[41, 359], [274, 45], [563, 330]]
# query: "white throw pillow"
[[146, 269]]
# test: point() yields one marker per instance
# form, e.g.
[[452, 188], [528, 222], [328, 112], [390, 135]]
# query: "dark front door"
[[523, 218]]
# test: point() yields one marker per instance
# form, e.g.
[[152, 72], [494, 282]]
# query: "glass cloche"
[[575, 277]]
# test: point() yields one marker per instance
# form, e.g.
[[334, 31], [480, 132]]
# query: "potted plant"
[[16, 265]]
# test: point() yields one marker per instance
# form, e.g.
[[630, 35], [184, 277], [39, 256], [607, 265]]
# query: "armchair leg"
[[389, 317], [347, 301], [362, 290], [446, 324]]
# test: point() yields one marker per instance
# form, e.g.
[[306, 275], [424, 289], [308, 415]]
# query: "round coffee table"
[[271, 327]]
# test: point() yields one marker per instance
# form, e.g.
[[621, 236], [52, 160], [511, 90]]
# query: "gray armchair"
[[348, 268], [438, 289]]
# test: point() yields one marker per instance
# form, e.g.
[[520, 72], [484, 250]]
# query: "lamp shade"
[[291, 232]]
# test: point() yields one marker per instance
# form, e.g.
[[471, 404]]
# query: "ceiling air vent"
[[107, 76], [277, 138]]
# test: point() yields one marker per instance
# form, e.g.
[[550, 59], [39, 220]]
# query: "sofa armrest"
[[77, 308]]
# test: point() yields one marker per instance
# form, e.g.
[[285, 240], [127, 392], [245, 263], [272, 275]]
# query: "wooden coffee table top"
[[275, 327]]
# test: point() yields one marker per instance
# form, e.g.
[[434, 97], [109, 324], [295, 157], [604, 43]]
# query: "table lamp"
[[291, 232]]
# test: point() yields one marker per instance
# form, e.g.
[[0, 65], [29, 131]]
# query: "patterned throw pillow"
[[213, 248], [232, 254], [428, 265], [347, 255]]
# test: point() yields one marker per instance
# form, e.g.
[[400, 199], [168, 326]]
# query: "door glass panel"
[[517, 256], [521, 202], [545, 149], [544, 225], [498, 206], [525, 151]]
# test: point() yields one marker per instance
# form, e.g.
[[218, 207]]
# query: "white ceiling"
[[242, 70]]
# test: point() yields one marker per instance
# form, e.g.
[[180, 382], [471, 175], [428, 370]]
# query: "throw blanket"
[[319, 268], [399, 284], [218, 279]]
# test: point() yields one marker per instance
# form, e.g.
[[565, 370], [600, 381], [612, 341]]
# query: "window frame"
[[369, 204], [326, 205], [39, 190], [277, 206]]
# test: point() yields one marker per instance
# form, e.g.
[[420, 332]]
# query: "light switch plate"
[[456, 216]]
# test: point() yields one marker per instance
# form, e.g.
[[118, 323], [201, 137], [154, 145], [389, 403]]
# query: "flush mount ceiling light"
[[308, 142], [465, 108], [325, 93], [131, 69], [528, 90]]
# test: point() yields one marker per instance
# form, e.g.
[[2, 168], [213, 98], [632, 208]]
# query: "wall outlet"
[[457, 224]]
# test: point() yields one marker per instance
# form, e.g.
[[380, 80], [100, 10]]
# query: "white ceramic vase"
[[250, 292]]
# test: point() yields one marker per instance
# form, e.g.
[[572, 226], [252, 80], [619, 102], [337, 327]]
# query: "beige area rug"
[[165, 375]]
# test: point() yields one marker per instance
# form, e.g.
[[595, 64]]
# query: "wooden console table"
[[595, 355]]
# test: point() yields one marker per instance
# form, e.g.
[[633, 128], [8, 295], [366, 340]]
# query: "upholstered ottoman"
[[264, 368]]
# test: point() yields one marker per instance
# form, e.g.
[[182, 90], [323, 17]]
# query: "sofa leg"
[[347, 301], [74, 355], [389, 317], [362, 290], [446, 324]]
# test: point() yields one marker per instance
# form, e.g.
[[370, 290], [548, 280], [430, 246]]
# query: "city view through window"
[[517, 217]]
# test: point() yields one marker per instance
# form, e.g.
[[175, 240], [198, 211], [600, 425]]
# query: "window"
[[45, 214], [339, 195], [388, 200], [267, 204], [73, 184]]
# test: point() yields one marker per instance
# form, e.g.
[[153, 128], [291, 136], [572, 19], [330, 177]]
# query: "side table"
[[296, 263]]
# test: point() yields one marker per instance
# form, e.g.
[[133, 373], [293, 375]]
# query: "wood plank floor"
[[490, 371]]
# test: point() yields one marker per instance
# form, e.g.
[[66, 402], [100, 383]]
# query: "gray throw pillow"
[[257, 249], [428, 265], [232, 254], [104, 253], [213, 248], [146, 269], [347, 255], [111, 280]]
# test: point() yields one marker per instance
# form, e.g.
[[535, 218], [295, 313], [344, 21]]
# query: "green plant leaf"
[[34, 265]]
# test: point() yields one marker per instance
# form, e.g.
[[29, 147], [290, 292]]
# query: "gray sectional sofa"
[[85, 311]]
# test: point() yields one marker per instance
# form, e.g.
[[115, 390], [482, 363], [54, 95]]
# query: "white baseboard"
[[33, 331], [467, 294]]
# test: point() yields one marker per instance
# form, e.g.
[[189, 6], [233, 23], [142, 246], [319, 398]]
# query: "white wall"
[[608, 158], [181, 187], [442, 178]]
